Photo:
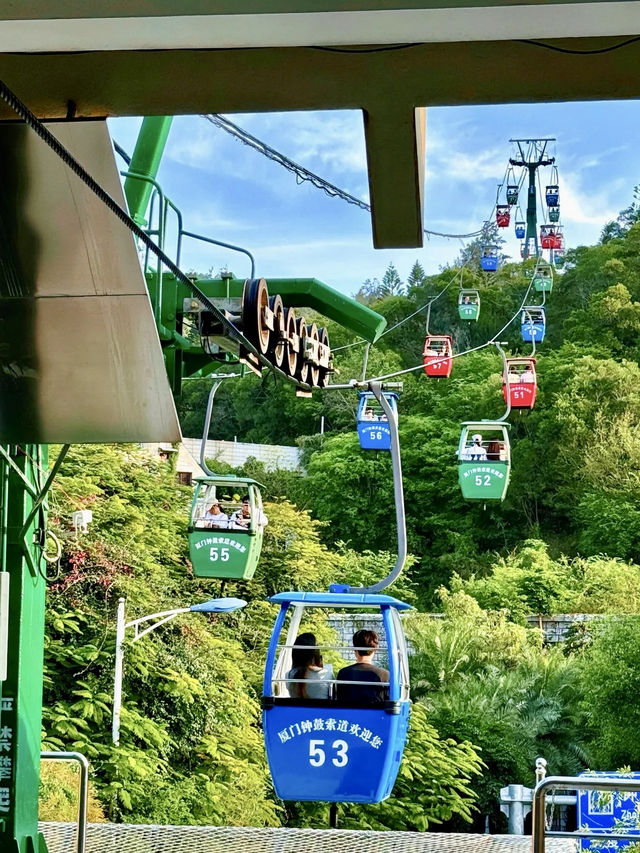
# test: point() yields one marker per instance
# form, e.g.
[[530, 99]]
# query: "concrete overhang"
[[388, 59]]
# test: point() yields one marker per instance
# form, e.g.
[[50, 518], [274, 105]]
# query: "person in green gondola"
[[241, 518], [215, 517], [474, 452]]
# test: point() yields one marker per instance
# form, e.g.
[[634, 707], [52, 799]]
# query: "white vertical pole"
[[117, 682], [322, 425]]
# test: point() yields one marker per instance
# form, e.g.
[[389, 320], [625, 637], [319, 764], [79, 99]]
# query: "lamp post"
[[215, 605]]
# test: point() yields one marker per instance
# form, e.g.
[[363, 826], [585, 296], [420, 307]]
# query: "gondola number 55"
[[216, 554], [317, 755]]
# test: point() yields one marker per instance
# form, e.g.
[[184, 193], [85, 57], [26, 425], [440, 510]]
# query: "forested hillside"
[[488, 697]]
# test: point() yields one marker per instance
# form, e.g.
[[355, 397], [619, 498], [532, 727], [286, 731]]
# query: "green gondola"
[[554, 214], [543, 278], [484, 460], [226, 542], [469, 304]]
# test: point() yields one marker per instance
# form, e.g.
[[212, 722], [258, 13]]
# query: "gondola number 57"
[[317, 755]]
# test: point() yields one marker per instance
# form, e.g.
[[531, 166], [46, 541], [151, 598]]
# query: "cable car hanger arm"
[[398, 494]]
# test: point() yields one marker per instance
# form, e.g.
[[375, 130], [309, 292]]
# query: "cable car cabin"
[[557, 241], [521, 229], [558, 258], [543, 278], [469, 304], [547, 234], [552, 195], [519, 383], [331, 735], [503, 215], [374, 432], [512, 194], [554, 214], [226, 527], [484, 460], [438, 355], [533, 323], [489, 258]]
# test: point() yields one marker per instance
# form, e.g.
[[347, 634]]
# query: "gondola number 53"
[[317, 755]]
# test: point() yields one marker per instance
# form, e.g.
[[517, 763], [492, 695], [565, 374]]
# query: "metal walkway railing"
[[577, 783]]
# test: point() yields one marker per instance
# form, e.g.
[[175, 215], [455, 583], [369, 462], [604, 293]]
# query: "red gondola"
[[519, 383], [438, 355], [547, 236], [557, 240], [503, 215]]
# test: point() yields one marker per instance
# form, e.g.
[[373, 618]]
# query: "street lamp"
[[215, 605]]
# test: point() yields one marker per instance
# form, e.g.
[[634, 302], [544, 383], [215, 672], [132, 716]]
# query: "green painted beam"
[[21, 694], [309, 293], [145, 161]]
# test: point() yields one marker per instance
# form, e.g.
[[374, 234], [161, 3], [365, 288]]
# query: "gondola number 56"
[[317, 755]]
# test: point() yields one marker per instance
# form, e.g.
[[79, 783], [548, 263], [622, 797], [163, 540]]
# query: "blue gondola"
[[325, 749], [489, 258], [373, 428], [533, 323], [552, 195], [520, 230]]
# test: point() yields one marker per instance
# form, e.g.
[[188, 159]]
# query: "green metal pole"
[[21, 692], [532, 215], [145, 161]]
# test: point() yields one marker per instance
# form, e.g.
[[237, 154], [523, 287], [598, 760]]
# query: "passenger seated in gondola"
[[308, 665], [474, 451], [527, 375], [215, 517], [370, 415], [241, 518], [369, 691], [493, 451]]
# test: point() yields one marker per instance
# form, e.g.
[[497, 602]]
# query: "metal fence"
[[127, 838]]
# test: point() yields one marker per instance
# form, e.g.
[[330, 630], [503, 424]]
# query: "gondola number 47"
[[317, 755]]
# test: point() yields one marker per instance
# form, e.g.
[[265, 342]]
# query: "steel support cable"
[[491, 342], [304, 175], [12, 100]]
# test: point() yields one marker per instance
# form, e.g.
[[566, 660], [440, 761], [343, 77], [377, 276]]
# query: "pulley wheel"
[[323, 379], [314, 369], [255, 301], [277, 346], [291, 356], [302, 372]]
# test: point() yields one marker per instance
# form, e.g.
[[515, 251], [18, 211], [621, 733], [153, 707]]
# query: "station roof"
[[387, 58]]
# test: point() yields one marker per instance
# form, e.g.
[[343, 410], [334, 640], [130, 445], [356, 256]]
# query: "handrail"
[[83, 803], [580, 783]]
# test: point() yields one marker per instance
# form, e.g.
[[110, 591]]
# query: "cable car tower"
[[532, 155]]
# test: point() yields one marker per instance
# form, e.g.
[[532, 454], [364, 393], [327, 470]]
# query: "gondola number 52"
[[317, 755]]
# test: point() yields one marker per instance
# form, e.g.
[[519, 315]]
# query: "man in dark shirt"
[[365, 644]]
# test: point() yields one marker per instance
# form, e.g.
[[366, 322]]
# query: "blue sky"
[[230, 192]]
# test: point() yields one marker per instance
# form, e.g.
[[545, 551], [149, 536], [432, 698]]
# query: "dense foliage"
[[488, 695]]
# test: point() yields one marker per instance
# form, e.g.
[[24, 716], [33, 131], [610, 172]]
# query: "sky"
[[230, 192]]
